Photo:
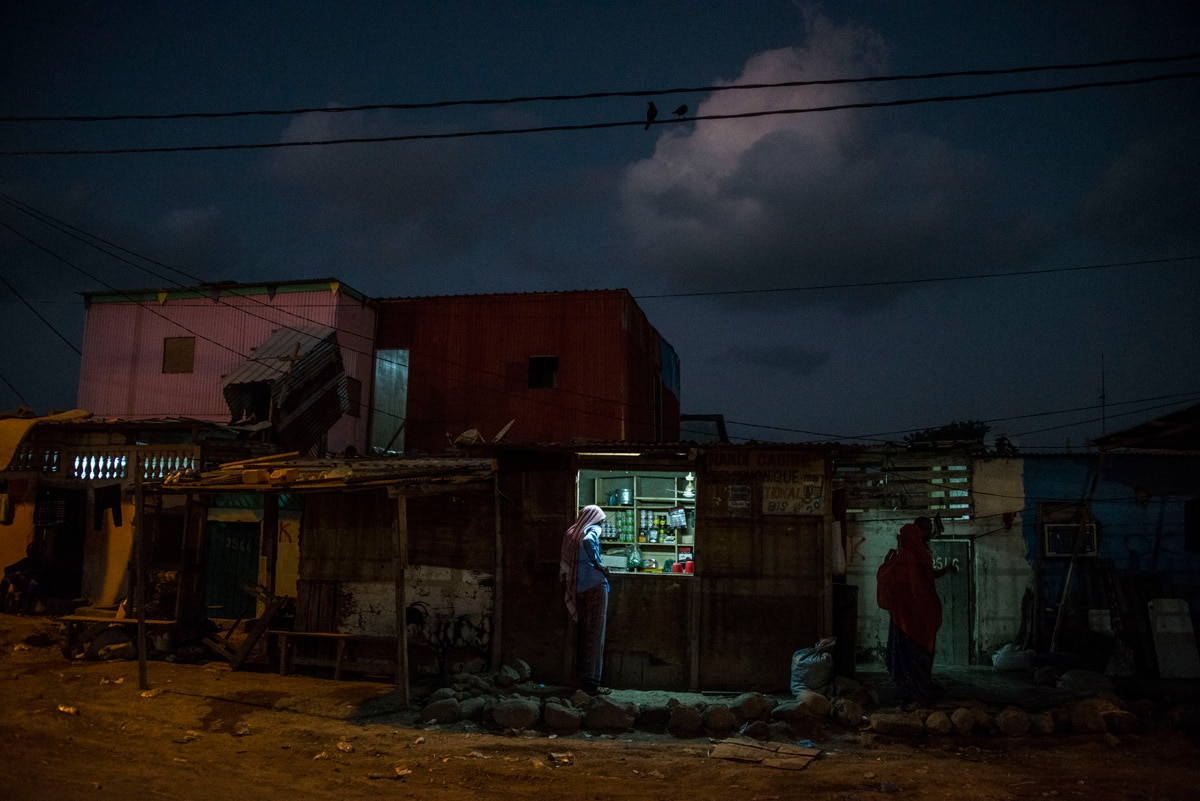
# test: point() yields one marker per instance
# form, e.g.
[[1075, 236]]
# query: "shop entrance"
[[649, 543], [651, 518]]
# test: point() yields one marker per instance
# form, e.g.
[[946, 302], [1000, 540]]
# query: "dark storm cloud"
[[816, 198], [397, 202], [780, 359], [1150, 194], [197, 241]]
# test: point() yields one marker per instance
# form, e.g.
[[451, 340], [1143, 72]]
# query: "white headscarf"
[[568, 561]]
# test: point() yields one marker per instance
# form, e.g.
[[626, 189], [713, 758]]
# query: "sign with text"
[[793, 492], [792, 482]]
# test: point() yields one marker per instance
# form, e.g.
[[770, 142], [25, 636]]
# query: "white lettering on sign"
[[791, 492], [940, 561]]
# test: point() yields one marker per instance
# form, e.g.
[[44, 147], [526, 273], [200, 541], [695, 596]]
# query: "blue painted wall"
[[1139, 505]]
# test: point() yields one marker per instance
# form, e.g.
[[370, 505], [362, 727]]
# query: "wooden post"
[[498, 579], [399, 563], [270, 537], [1084, 514], [139, 568]]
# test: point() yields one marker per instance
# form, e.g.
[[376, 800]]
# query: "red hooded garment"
[[906, 588]]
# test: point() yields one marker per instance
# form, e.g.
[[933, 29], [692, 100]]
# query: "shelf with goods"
[[654, 512]]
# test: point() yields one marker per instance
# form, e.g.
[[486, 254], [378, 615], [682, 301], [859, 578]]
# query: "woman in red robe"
[[906, 590]]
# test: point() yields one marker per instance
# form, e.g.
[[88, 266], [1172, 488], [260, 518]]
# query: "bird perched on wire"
[[679, 112], [651, 114]]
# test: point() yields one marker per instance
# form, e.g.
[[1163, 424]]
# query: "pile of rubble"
[[471, 698], [510, 702]]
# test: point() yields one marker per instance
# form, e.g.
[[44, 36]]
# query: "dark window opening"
[[179, 354], [543, 372], [354, 393], [1191, 525]]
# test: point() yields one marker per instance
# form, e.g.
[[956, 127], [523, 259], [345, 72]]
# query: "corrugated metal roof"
[[281, 354], [297, 380], [275, 473], [507, 295], [221, 288], [1177, 432]]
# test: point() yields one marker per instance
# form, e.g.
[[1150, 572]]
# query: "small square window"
[[543, 372], [179, 354]]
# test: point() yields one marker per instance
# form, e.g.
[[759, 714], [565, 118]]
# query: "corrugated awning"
[[296, 380], [285, 473]]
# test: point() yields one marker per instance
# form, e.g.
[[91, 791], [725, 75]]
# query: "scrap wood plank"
[[236, 657], [771, 755]]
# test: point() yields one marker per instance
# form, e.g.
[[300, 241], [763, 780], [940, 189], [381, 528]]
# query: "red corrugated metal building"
[[561, 366]]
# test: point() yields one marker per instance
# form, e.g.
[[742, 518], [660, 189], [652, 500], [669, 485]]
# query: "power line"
[[85, 237], [932, 280], [880, 436], [370, 355], [604, 94], [16, 391], [29, 305], [605, 125]]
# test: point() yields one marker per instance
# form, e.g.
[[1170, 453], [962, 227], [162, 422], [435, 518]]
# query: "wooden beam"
[[139, 569], [498, 579], [270, 537], [399, 563]]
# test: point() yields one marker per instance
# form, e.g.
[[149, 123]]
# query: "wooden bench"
[[343, 651], [81, 629]]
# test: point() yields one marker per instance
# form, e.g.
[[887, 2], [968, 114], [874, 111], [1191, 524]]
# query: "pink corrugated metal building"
[[166, 352]]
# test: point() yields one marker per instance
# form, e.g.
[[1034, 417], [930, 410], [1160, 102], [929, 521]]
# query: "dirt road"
[[86, 730]]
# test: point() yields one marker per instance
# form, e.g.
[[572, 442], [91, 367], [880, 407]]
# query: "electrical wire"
[[369, 354], [913, 281], [29, 305], [16, 391], [605, 125], [607, 94], [85, 237]]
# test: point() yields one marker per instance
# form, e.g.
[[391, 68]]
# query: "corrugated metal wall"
[[121, 373], [469, 367]]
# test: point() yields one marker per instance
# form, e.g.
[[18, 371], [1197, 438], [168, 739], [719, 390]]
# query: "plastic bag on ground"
[[813, 668]]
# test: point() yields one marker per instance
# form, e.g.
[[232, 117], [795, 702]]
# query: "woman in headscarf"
[[906, 589], [585, 585]]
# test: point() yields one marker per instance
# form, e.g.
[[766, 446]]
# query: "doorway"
[[232, 565], [61, 529], [956, 635]]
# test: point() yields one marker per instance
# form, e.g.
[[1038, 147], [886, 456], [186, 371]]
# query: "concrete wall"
[[867, 540], [1000, 569], [447, 593], [16, 535], [107, 552], [1003, 567]]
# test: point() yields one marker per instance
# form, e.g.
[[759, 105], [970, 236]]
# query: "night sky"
[[1028, 260]]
